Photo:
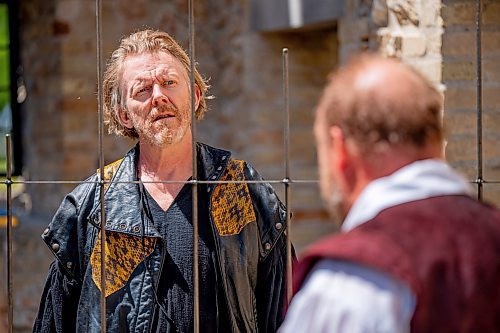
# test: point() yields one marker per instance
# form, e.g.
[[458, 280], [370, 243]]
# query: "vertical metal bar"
[[196, 287], [101, 164], [479, 102], [9, 233], [287, 181]]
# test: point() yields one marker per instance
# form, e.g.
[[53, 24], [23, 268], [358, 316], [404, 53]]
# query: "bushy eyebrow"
[[142, 78]]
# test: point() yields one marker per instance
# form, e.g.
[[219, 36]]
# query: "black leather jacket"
[[248, 224]]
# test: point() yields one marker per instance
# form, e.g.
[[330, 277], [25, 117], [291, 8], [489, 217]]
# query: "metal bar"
[[101, 163], [271, 181], [196, 273], [15, 76], [286, 181], [9, 233], [479, 102]]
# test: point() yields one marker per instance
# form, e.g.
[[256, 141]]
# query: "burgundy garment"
[[446, 249]]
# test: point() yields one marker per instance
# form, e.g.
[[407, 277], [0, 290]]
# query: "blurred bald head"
[[379, 102], [376, 115]]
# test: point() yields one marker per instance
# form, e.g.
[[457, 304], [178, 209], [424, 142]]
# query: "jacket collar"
[[123, 198]]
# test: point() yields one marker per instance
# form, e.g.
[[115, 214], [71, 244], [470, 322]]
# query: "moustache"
[[163, 112]]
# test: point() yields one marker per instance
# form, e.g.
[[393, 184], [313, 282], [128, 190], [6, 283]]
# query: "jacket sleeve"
[[57, 311], [271, 288], [61, 293], [272, 270]]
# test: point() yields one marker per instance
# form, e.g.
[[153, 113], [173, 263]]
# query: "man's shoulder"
[[111, 169], [203, 148], [222, 163], [440, 211]]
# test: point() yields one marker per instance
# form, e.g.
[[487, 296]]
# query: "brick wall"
[[244, 67], [460, 79]]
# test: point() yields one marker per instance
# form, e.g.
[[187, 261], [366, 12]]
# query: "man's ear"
[[197, 96], [124, 118], [340, 155]]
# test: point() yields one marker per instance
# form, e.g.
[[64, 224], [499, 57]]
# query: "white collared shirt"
[[340, 296]]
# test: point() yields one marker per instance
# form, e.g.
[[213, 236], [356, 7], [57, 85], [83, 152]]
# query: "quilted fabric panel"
[[232, 207], [123, 254]]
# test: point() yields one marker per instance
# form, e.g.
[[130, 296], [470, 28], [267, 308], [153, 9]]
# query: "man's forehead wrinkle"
[[155, 73]]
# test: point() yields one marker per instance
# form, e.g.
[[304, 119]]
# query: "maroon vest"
[[446, 249]]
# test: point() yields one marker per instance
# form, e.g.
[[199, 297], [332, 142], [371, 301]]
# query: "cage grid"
[[286, 181]]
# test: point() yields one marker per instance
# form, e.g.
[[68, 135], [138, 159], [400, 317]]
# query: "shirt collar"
[[418, 180]]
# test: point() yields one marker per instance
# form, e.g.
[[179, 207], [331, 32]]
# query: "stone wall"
[[246, 116], [244, 66], [460, 78]]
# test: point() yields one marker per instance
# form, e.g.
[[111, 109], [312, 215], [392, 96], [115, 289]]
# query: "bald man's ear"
[[124, 118], [340, 156]]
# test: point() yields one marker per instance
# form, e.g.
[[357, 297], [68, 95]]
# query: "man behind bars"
[[416, 251], [149, 227]]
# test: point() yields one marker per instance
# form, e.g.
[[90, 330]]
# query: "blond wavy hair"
[[144, 41]]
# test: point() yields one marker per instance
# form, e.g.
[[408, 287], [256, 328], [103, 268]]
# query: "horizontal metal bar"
[[272, 181]]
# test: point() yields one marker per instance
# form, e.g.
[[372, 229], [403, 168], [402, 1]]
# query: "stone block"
[[491, 194], [459, 43], [491, 13], [491, 117], [459, 70], [429, 66], [430, 11], [30, 266], [80, 164], [347, 51], [87, 105], [467, 168], [307, 230], [491, 70], [491, 97], [492, 170], [489, 146], [490, 41], [413, 45], [461, 147], [458, 13], [463, 44], [353, 30], [464, 98], [74, 10], [458, 123], [79, 125], [434, 41], [76, 86]]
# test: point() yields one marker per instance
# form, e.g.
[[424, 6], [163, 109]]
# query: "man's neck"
[[173, 162]]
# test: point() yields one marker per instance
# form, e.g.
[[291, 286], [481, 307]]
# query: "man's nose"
[[159, 96]]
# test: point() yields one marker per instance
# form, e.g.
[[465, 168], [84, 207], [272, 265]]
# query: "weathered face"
[[331, 192], [157, 100]]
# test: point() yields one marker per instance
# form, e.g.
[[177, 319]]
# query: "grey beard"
[[335, 206]]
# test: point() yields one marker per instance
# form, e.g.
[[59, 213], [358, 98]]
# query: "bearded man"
[[148, 206]]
